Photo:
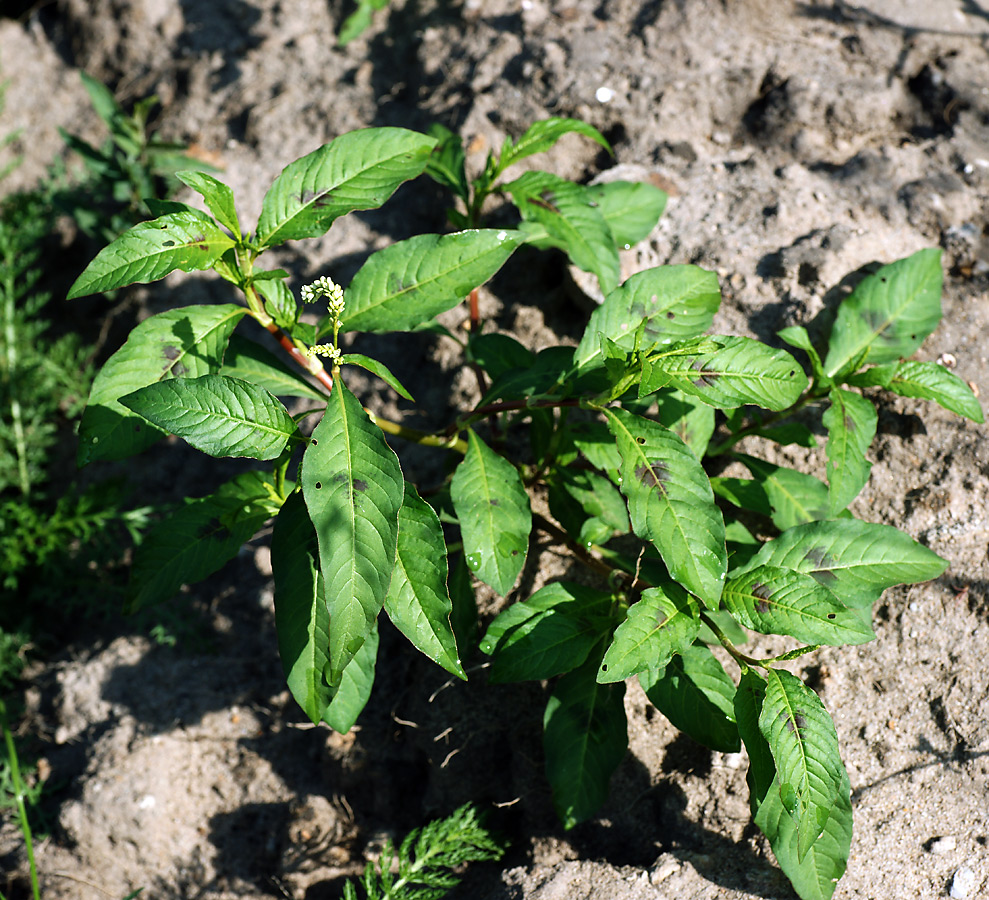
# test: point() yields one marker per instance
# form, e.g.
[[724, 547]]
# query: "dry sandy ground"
[[799, 141]]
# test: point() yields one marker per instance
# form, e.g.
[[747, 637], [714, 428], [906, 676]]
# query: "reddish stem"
[[320, 374]]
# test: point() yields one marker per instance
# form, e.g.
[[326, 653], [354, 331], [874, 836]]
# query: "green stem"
[[744, 661], [451, 442], [15, 775], [10, 344]]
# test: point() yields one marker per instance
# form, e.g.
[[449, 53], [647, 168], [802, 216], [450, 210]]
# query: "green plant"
[[131, 171], [620, 429], [14, 793], [426, 859], [359, 20]]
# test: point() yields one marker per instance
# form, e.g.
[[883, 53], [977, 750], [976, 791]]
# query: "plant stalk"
[[15, 774]]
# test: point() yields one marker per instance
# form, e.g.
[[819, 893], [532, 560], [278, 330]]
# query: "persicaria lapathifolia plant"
[[621, 428]]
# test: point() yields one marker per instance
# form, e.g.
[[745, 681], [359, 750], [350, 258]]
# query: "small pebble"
[[962, 883], [944, 844]]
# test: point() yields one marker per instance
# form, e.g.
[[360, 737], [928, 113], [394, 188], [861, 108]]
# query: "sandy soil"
[[799, 141]]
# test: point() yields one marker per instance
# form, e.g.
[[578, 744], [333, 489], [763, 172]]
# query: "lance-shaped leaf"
[[355, 686], [854, 560], [585, 736], [418, 602], [493, 510], [150, 250], [671, 503], [358, 170], [774, 600], [498, 353], [575, 495], [249, 361], [888, 315], [409, 282], [797, 336], [631, 209], [663, 622], [851, 423], [550, 633], [541, 136], [930, 381], [568, 219], [186, 342], [302, 620], [199, 537], [804, 745], [688, 418], [695, 693], [353, 487], [726, 372], [218, 196], [376, 367], [794, 497], [446, 162], [675, 302], [219, 415]]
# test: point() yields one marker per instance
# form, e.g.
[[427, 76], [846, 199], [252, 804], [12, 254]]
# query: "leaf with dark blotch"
[[585, 736], [353, 486], [695, 693], [671, 503], [851, 424], [774, 600], [663, 622]]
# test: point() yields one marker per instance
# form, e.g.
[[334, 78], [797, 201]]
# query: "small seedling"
[[620, 429]]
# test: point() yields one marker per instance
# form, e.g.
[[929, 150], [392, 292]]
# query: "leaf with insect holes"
[[671, 503], [662, 623], [585, 736], [774, 600], [674, 302], [804, 745], [565, 217], [218, 415], [353, 486], [888, 315], [930, 381], [851, 422], [550, 633], [541, 136], [218, 196], [854, 560], [695, 693], [418, 602], [249, 361], [355, 686], [631, 209], [186, 241], [411, 281], [726, 372], [302, 620], [188, 342], [196, 539], [493, 510], [358, 170]]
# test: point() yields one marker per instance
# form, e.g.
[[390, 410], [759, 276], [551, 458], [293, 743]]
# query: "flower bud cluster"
[[325, 287]]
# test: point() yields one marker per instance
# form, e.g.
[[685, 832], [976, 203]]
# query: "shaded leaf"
[[355, 686], [249, 361], [688, 418], [851, 423], [446, 162]]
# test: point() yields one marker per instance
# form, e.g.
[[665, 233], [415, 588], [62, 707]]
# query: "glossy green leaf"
[[585, 736], [279, 301], [446, 162], [550, 633], [595, 441], [493, 509], [695, 693], [671, 503], [409, 282], [355, 686], [249, 361], [199, 537], [302, 620], [418, 602], [353, 487], [662, 623], [794, 497], [631, 209], [541, 136], [930, 381], [733, 372], [797, 336], [851, 424], [688, 418], [568, 219], [774, 600], [378, 368], [675, 302], [185, 342], [888, 315], [216, 414], [854, 560], [218, 196], [150, 250], [804, 745], [358, 170]]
